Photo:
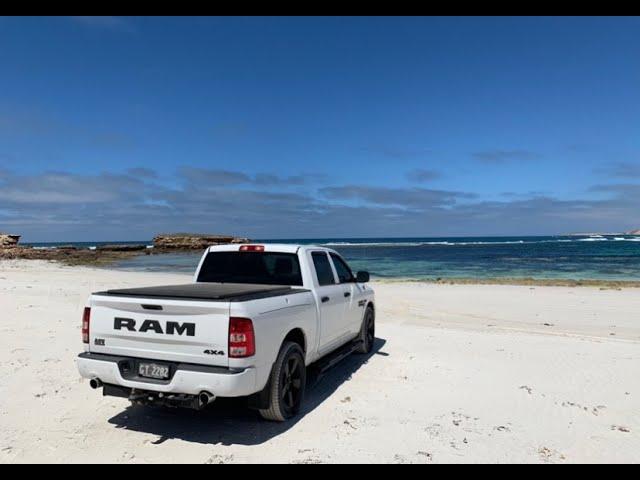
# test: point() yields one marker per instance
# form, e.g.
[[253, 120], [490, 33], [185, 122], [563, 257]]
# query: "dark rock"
[[7, 241], [68, 256], [189, 241], [106, 254]]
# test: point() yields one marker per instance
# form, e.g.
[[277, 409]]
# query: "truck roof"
[[268, 247]]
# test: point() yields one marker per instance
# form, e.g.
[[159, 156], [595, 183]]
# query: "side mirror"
[[362, 277]]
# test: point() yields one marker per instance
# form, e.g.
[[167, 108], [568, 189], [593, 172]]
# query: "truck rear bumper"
[[186, 379]]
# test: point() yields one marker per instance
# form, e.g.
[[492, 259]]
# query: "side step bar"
[[333, 359]]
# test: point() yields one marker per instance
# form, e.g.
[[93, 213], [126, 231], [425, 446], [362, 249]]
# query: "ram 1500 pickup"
[[253, 320]]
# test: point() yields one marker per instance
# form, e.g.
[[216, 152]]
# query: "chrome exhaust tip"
[[95, 383], [205, 398]]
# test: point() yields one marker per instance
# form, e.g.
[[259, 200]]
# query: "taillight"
[[86, 324], [252, 248], [242, 339]]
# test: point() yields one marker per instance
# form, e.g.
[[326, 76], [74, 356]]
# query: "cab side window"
[[344, 272], [323, 268]]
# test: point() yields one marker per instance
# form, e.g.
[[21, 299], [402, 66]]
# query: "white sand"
[[462, 374]]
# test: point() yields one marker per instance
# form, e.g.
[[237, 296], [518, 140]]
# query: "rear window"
[[323, 268], [267, 268], [344, 272]]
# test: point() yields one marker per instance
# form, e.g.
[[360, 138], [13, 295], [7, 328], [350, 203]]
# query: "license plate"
[[153, 370]]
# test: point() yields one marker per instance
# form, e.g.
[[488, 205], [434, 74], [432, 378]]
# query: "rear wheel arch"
[[298, 336]]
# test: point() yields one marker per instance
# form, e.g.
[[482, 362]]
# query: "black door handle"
[[347, 294], [325, 299]]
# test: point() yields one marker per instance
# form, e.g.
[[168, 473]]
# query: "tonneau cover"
[[207, 291]]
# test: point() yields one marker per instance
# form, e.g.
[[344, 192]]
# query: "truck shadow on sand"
[[229, 421]]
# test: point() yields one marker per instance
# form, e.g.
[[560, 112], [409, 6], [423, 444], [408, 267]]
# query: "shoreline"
[[109, 259], [517, 281]]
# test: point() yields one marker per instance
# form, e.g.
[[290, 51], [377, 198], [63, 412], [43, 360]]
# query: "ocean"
[[562, 257]]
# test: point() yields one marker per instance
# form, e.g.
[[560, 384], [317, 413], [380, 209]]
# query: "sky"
[[119, 128]]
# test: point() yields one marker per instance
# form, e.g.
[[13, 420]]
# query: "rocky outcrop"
[[8, 241], [106, 254], [190, 241], [69, 255], [634, 232]]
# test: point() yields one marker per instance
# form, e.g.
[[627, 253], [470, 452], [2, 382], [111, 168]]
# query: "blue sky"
[[119, 128]]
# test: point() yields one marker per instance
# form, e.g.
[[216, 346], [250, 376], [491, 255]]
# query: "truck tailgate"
[[173, 330]]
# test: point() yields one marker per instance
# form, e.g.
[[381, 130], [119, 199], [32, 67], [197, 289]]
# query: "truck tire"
[[367, 333], [287, 384]]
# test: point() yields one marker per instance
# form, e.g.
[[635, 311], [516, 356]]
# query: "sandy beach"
[[460, 373]]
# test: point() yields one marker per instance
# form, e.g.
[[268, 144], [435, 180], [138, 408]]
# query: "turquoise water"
[[577, 258]]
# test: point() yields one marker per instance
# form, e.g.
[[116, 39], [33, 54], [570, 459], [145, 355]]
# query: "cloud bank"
[[136, 204]]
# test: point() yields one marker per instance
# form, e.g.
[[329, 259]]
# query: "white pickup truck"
[[248, 326]]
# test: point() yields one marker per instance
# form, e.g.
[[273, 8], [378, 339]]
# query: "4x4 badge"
[[213, 352]]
